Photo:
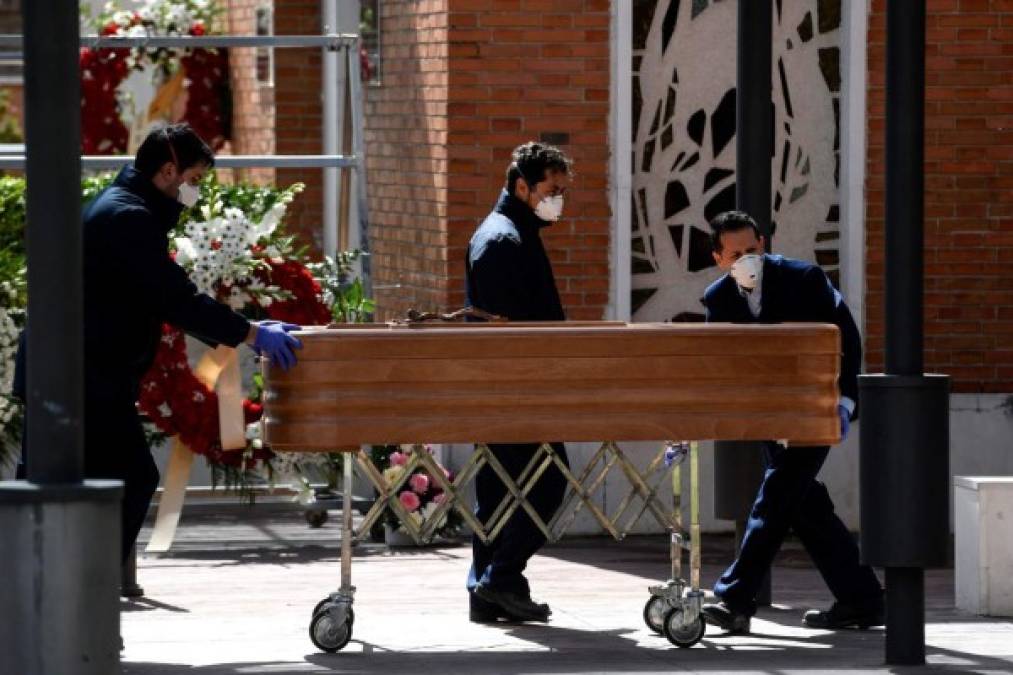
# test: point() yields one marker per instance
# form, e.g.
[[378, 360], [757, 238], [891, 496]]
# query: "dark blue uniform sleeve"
[[145, 262], [713, 312], [829, 307], [498, 278]]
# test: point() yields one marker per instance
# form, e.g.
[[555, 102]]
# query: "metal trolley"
[[356, 385], [673, 608]]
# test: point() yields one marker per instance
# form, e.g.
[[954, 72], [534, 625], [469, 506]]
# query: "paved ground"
[[236, 593]]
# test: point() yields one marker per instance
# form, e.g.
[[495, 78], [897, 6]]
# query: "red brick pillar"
[[253, 126], [298, 103], [533, 71], [462, 82], [968, 192], [406, 151]]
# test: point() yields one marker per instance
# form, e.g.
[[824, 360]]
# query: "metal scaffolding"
[[62, 531], [342, 88]]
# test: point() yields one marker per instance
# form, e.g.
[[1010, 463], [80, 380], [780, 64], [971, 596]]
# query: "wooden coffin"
[[495, 383]]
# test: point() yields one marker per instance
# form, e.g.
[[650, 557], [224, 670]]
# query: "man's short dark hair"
[[731, 221], [189, 148], [532, 162]]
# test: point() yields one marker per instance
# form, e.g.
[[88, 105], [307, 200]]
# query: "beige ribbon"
[[218, 369]]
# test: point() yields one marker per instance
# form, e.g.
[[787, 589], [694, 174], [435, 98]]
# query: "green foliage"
[[253, 200], [12, 209], [93, 184], [13, 280], [10, 130], [12, 215], [345, 296]]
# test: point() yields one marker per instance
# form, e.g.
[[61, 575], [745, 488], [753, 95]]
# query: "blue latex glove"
[[675, 453], [845, 416], [274, 341]]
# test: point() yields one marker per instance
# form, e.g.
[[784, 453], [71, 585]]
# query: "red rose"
[[252, 412], [197, 29]]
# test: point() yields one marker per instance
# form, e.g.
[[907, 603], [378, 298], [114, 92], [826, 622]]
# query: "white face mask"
[[748, 270], [550, 209], [188, 195]]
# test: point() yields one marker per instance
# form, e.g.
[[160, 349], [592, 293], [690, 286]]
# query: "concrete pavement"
[[236, 593]]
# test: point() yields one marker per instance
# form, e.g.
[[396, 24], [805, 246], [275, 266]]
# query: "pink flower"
[[398, 459], [410, 500], [419, 483], [440, 498]]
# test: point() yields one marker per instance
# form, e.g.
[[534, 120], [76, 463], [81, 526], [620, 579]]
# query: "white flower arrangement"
[[157, 17], [11, 320], [162, 17], [217, 252]]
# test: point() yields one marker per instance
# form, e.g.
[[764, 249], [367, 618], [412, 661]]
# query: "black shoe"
[[480, 611], [724, 617], [514, 605], [842, 615]]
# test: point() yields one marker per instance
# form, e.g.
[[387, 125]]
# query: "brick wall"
[[406, 153], [968, 192], [462, 83], [252, 102], [298, 97], [521, 70]]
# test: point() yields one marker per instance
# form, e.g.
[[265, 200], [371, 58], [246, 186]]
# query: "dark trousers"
[[115, 447], [500, 564], [791, 499]]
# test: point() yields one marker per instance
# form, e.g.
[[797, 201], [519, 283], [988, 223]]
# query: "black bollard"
[[905, 421], [905, 440]]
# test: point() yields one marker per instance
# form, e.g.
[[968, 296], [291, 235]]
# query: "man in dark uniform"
[[761, 288], [132, 287], [509, 274]]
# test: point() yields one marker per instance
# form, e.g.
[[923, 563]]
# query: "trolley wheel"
[[683, 636], [654, 614], [327, 635], [316, 517], [320, 606]]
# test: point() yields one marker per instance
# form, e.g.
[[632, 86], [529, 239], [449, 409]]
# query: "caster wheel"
[[654, 614], [683, 636], [316, 517], [328, 635], [320, 605]]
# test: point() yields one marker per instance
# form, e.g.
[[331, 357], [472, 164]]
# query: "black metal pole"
[[739, 466], [754, 115], [905, 619], [905, 135], [55, 312]]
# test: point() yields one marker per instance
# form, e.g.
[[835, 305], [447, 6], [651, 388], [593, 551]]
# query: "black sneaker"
[[724, 617], [843, 615], [513, 605]]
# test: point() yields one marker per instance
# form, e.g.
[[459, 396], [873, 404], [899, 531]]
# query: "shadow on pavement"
[[568, 650]]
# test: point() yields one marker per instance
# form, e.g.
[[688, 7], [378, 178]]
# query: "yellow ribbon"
[[218, 369]]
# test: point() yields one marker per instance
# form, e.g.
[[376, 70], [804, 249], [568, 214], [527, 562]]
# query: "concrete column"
[[59, 562]]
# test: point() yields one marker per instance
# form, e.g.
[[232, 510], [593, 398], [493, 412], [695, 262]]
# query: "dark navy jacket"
[[508, 271], [793, 291], [132, 287]]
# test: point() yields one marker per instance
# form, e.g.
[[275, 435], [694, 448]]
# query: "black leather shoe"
[[842, 615], [727, 619], [480, 611], [514, 605]]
